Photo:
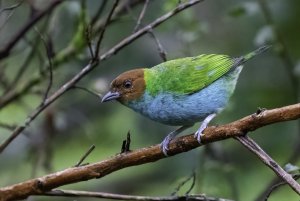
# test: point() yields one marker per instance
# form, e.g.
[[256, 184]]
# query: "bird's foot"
[[199, 132], [165, 143]]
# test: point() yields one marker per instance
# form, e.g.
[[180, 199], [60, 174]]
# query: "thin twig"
[[88, 33], [50, 66], [104, 28], [141, 16], [266, 159], [88, 28], [88, 90], [119, 11], [192, 184], [22, 68], [294, 156], [3, 78], [85, 155], [161, 51], [92, 65], [12, 10], [148, 27], [7, 126], [181, 184], [12, 7], [146, 155], [73, 193], [276, 186], [15, 39], [98, 13]]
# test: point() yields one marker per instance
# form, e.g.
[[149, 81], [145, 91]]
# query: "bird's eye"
[[127, 84]]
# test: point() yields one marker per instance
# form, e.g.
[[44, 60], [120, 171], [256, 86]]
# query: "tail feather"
[[243, 59], [256, 52]]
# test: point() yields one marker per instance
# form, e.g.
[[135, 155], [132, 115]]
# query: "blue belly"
[[173, 109]]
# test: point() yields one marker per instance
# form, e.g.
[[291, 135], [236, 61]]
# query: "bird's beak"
[[110, 96]]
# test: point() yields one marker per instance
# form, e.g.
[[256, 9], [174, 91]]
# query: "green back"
[[187, 75]]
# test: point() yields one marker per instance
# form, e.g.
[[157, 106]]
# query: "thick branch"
[[146, 155]]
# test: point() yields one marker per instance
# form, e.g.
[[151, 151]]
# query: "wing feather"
[[187, 75]]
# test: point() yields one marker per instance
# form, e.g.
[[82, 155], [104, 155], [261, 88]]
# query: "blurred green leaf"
[[246, 8], [237, 11], [171, 4]]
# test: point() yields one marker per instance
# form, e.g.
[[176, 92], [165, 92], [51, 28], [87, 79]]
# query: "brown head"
[[128, 86]]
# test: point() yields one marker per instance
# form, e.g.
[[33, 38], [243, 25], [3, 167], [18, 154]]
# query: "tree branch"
[[249, 123], [101, 35], [79, 163], [13, 7], [49, 54], [276, 186], [72, 193], [98, 13], [266, 159], [12, 10], [141, 16], [161, 51]]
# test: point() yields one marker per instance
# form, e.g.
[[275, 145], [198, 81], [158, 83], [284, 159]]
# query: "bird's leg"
[[203, 126], [165, 143]]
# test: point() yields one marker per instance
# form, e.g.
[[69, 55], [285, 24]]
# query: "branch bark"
[[72, 193], [267, 160], [249, 123]]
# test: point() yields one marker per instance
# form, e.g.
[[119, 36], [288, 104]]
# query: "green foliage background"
[[78, 120]]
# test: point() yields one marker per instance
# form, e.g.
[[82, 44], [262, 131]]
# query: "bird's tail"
[[243, 59]]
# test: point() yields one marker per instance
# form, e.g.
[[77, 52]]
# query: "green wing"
[[187, 75]]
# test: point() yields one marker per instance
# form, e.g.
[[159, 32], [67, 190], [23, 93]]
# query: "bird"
[[181, 92]]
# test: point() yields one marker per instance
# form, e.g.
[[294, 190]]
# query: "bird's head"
[[128, 86]]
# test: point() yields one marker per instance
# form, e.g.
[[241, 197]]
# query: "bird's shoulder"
[[187, 75]]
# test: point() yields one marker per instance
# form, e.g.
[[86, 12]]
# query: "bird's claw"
[[203, 126], [199, 134], [165, 145]]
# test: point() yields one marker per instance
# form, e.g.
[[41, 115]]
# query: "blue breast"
[[174, 109]]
